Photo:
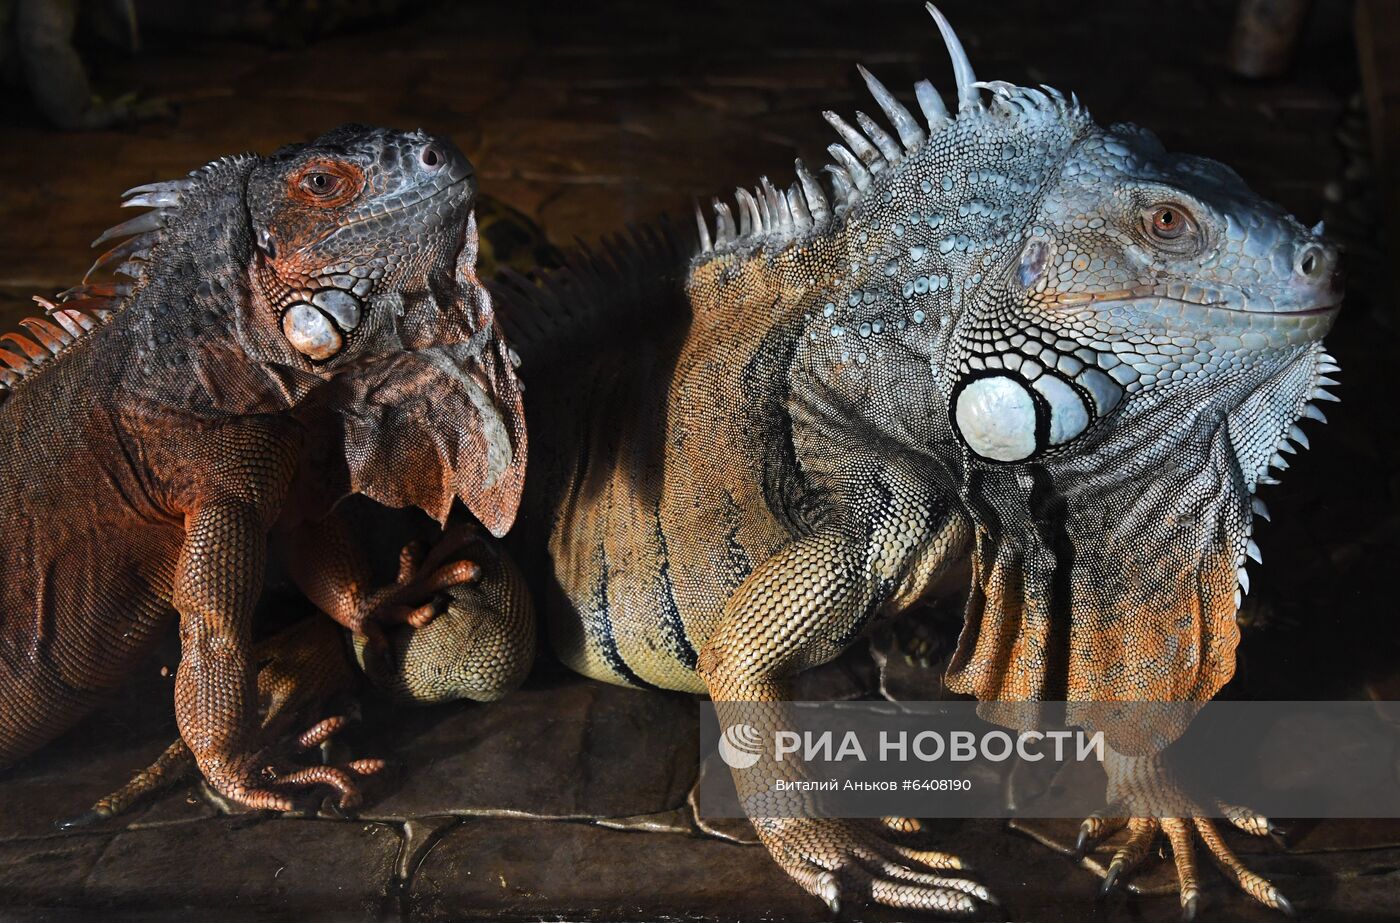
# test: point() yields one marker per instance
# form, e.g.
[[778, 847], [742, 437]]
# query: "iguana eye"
[[1167, 222], [321, 184], [327, 183]]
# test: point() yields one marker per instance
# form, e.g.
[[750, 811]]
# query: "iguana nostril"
[[1310, 261], [431, 157]]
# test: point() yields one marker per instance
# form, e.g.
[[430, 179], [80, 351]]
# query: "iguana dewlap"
[[296, 327], [1005, 333]]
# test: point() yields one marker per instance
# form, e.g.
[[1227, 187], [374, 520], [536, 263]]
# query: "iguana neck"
[[184, 348]]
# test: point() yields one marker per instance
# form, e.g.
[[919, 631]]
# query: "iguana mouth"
[[403, 201], [1080, 299], [1306, 312]]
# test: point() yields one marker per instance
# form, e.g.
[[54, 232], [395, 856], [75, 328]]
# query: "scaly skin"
[[300, 327], [1015, 336], [479, 648]]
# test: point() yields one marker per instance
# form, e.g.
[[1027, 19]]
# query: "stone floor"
[[569, 800]]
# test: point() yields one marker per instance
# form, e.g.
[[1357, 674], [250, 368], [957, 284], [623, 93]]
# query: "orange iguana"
[[295, 328]]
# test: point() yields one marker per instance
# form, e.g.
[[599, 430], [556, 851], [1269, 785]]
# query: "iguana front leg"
[[794, 612], [299, 670], [217, 584], [241, 473]]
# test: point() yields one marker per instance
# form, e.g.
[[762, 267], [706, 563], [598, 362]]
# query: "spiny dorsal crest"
[[772, 216], [83, 308]]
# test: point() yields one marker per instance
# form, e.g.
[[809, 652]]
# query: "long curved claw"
[[1255, 885], [1095, 828], [1110, 878], [87, 818], [1141, 831], [1184, 857]]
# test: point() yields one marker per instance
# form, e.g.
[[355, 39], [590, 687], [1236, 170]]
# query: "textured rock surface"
[[559, 749], [586, 117]]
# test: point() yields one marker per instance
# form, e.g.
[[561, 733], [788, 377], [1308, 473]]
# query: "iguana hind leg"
[[174, 765]]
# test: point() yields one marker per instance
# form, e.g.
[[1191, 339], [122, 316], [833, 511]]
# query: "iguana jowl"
[[1010, 334], [297, 327]]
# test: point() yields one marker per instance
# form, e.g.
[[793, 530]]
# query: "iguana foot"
[[177, 763], [836, 859], [412, 598], [1142, 833], [302, 668], [268, 783]]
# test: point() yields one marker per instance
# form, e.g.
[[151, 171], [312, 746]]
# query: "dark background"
[[586, 116]]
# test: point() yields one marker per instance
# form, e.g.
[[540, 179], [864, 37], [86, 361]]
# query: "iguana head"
[[350, 231], [1133, 271], [1098, 346]]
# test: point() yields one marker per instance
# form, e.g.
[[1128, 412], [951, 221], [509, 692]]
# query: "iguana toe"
[[832, 859], [1181, 834]]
